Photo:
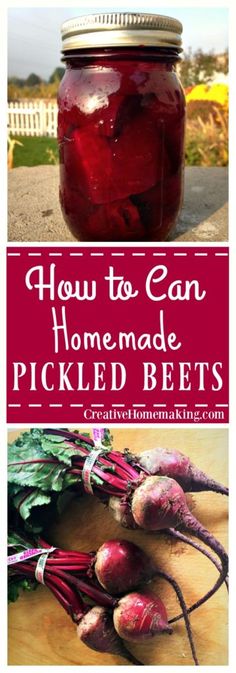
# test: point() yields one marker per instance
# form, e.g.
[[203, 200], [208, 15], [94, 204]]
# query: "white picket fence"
[[33, 118]]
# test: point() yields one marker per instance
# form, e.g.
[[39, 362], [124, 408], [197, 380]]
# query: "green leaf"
[[108, 438], [17, 540], [30, 465], [13, 489], [54, 438], [38, 471], [15, 586], [59, 449], [25, 500]]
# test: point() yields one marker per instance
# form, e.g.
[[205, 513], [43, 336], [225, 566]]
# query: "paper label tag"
[[87, 469], [40, 567], [27, 554], [98, 436]]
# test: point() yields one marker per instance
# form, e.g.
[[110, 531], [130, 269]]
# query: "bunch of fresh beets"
[[101, 590]]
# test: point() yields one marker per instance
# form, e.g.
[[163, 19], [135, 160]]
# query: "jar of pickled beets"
[[121, 127]]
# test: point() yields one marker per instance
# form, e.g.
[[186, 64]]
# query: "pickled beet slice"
[[110, 170], [139, 154], [108, 121], [118, 220], [93, 97], [158, 206], [108, 117], [87, 163], [104, 120], [128, 108], [169, 109], [75, 207], [174, 143]]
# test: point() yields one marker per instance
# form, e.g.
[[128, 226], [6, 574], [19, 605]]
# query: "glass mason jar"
[[121, 127]]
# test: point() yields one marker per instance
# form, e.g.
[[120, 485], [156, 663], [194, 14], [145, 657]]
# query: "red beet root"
[[169, 463], [159, 502], [140, 616], [121, 566], [122, 513], [97, 631]]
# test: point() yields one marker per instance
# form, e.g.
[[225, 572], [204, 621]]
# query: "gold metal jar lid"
[[118, 29]]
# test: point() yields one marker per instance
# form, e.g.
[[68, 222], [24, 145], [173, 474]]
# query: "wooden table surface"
[[40, 633]]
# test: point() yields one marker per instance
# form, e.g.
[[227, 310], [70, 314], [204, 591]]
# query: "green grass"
[[35, 151]]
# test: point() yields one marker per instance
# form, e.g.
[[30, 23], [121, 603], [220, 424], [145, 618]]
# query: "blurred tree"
[[204, 66], [223, 62], [33, 79], [16, 81], [199, 67], [185, 68], [56, 75]]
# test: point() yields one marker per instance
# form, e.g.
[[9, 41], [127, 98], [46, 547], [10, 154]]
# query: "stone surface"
[[35, 214]]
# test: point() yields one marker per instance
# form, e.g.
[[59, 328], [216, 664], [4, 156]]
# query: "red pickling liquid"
[[121, 142]]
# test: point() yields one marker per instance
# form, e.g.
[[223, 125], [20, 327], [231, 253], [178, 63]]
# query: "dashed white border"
[[122, 254], [76, 254], [55, 254], [32, 254], [117, 254], [134, 405]]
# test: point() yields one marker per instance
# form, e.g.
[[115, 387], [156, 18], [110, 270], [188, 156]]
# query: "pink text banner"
[[117, 335]]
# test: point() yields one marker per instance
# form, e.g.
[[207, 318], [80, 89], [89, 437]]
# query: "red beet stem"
[[181, 600], [203, 534], [71, 567], [61, 598], [69, 599], [104, 487], [126, 471], [119, 459], [67, 556], [112, 480], [100, 596], [62, 586], [122, 468], [24, 568], [218, 583]]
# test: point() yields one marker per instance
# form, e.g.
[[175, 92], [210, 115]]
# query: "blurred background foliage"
[[205, 81]]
